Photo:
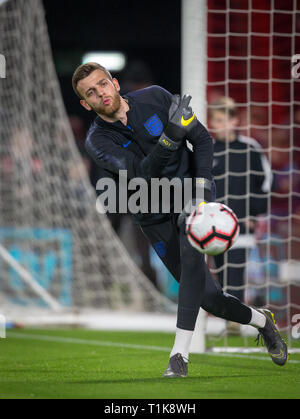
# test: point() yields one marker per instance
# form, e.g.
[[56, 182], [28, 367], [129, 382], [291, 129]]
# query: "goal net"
[[251, 48], [57, 253]]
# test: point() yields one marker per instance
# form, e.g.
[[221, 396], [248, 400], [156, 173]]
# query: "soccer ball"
[[212, 228]]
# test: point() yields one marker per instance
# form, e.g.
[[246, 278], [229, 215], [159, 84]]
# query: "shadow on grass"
[[159, 380]]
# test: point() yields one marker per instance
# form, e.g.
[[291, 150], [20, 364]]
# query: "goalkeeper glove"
[[181, 121]]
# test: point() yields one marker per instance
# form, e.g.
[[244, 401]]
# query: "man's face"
[[222, 125], [100, 94]]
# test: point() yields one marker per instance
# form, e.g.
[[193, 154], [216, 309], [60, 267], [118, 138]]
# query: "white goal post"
[[193, 82]]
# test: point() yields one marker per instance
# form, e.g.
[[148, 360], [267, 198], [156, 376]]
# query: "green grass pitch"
[[78, 363]]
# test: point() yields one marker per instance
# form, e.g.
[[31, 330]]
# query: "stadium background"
[[49, 192]]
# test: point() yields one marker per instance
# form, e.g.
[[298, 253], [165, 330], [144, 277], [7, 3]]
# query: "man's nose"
[[99, 91]]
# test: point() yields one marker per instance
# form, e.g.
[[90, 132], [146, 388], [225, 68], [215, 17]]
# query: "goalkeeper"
[[144, 133]]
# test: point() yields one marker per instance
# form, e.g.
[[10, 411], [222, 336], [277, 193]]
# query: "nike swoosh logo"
[[186, 122]]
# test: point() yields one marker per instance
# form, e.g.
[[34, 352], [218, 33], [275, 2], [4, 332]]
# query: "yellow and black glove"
[[181, 121]]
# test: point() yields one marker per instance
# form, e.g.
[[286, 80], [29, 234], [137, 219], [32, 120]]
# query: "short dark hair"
[[84, 71]]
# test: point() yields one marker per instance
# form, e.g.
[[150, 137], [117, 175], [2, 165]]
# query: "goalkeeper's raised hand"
[[181, 121]]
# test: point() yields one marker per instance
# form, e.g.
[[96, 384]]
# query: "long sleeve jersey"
[[135, 148]]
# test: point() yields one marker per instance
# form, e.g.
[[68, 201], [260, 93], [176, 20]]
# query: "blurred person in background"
[[253, 122], [243, 180]]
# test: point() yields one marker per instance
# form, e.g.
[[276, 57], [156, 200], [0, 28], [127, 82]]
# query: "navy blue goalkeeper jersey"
[[135, 147]]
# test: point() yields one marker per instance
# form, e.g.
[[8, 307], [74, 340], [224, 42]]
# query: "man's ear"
[[85, 105], [116, 84]]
